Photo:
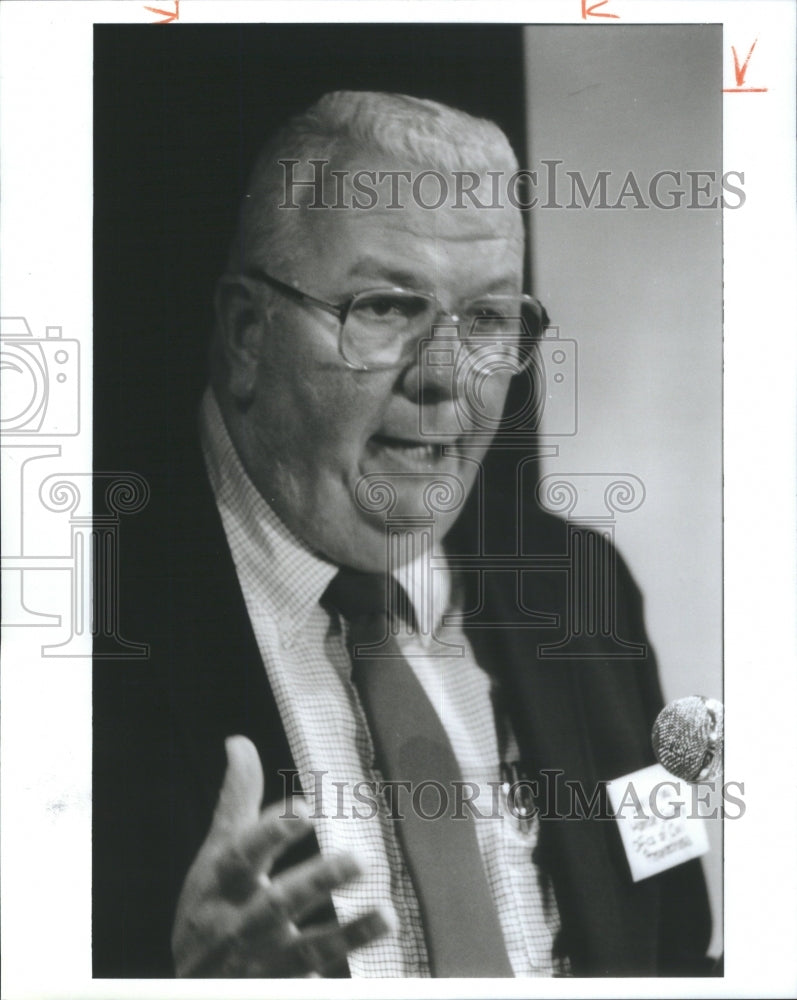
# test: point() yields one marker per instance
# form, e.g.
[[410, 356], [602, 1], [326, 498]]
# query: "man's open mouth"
[[411, 451]]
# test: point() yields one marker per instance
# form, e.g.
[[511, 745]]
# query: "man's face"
[[314, 427]]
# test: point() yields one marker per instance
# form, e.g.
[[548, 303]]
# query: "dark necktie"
[[463, 934]]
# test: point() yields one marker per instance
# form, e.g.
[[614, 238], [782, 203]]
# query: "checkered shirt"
[[308, 667]]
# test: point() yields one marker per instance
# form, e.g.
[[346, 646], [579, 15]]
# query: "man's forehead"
[[445, 230], [347, 251], [444, 224], [374, 181], [413, 201]]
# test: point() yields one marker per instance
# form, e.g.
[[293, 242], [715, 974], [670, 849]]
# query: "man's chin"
[[378, 542], [390, 497]]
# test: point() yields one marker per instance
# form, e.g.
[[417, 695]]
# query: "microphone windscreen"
[[687, 738]]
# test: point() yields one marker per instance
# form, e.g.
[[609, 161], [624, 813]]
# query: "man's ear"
[[241, 325]]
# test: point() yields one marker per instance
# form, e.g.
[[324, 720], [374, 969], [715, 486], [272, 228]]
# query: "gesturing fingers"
[[323, 950], [264, 940], [319, 949], [299, 891], [234, 920], [252, 851]]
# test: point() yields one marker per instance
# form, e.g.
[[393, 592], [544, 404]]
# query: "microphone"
[[688, 737]]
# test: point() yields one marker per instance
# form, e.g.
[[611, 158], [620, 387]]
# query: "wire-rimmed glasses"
[[382, 327]]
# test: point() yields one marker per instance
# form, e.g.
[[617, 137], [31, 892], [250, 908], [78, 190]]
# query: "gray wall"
[[640, 290]]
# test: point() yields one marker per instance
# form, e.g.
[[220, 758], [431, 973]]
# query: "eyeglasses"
[[380, 327]]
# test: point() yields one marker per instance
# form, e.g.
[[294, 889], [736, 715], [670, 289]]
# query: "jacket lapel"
[[606, 919]]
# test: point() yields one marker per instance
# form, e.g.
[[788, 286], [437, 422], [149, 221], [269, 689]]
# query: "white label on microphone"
[[660, 823]]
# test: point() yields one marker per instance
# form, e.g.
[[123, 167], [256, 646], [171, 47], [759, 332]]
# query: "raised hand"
[[232, 919]]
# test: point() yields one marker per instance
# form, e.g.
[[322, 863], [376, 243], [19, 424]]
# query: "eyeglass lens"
[[381, 327]]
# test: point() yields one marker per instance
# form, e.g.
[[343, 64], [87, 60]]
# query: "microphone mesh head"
[[687, 738]]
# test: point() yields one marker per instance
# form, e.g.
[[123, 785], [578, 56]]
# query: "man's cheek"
[[480, 403], [330, 400]]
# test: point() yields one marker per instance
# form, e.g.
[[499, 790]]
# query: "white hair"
[[343, 125]]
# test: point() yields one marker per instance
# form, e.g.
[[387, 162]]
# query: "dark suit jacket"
[[160, 725]]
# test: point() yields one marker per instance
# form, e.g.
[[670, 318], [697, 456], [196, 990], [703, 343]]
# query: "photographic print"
[[379, 531], [445, 409]]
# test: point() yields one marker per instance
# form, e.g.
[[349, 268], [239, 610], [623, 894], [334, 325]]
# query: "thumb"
[[242, 790]]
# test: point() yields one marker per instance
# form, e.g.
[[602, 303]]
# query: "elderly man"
[[308, 621]]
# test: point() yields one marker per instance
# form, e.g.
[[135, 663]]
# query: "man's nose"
[[430, 377]]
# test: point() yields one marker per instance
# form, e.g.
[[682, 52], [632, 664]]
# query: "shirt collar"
[[292, 575]]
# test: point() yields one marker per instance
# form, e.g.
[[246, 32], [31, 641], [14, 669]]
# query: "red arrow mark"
[[740, 73], [168, 15], [590, 11]]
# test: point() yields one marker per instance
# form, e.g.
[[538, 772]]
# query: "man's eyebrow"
[[370, 266], [498, 285]]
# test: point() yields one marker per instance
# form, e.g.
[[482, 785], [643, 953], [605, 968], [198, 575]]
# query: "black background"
[[180, 113]]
